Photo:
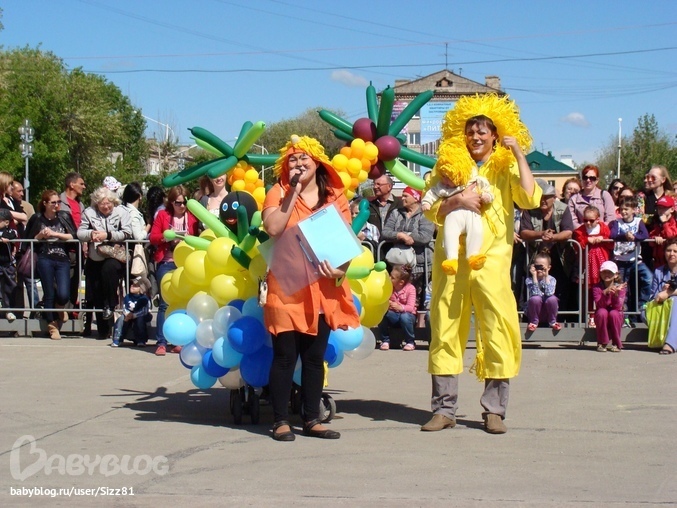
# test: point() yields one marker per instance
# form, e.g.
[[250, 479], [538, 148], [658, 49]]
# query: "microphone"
[[295, 180]]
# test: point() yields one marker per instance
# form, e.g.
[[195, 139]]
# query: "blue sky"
[[573, 67]]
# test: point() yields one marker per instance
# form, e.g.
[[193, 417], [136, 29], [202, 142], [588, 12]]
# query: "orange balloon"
[[366, 164], [346, 151], [238, 173], [250, 187]]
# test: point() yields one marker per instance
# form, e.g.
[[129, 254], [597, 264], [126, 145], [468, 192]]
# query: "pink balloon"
[[388, 148], [364, 128], [377, 170]]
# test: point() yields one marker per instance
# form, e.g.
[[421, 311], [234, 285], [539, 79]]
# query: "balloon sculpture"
[[375, 144]]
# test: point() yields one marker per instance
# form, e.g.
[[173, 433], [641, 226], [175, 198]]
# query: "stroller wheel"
[[254, 405], [327, 408]]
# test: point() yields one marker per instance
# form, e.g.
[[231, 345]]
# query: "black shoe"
[[107, 313], [283, 436], [322, 434]]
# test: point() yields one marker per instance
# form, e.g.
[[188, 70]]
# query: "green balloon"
[[210, 220], [404, 174]]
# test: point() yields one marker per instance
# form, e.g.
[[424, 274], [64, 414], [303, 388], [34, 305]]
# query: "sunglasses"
[[617, 188], [539, 267], [179, 203], [649, 178], [590, 221], [54, 202], [590, 178]]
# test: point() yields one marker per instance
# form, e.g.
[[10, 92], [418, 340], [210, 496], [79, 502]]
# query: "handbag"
[[114, 251], [139, 266], [658, 320], [28, 261], [401, 255]]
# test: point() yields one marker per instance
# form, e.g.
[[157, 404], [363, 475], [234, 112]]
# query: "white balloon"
[[365, 348], [223, 318], [201, 307], [205, 334], [232, 380], [191, 355]]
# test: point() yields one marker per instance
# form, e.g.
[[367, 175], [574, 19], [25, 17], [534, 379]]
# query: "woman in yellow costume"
[[482, 132]]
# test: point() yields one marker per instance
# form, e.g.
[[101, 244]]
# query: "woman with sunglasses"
[[615, 188], [176, 217], [54, 227], [591, 195], [656, 183]]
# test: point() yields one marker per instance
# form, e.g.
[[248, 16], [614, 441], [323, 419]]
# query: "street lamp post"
[[618, 169], [168, 129], [26, 132]]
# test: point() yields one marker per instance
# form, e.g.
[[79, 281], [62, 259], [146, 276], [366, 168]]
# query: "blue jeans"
[[406, 321], [160, 271], [626, 269], [55, 276], [138, 325]]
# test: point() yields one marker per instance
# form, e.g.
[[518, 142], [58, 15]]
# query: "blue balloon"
[[255, 368], [347, 340], [211, 367], [179, 329], [200, 378], [338, 360], [358, 305], [224, 354], [189, 367], [331, 353], [252, 308], [237, 303], [247, 335]]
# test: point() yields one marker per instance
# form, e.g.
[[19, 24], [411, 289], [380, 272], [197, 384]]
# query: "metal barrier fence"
[[580, 313]]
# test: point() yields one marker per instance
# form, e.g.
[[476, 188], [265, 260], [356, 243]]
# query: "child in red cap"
[[665, 227]]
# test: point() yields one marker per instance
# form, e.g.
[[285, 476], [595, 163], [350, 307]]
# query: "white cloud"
[[348, 78], [575, 119]]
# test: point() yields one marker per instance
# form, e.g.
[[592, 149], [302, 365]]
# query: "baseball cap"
[[666, 201], [548, 190], [609, 266], [142, 282]]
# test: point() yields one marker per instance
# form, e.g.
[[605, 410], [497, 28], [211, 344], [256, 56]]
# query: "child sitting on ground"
[[609, 295], [7, 264], [542, 304], [135, 314], [401, 308], [591, 234]]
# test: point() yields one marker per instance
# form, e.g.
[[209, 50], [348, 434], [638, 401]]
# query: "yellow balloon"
[[378, 286], [373, 314], [370, 151], [251, 176], [194, 267], [357, 286], [223, 289], [257, 267], [247, 286], [357, 146], [259, 194], [339, 162], [349, 194], [345, 178], [354, 166], [238, 185], [208, 234], [218, 251], [366, 259], [362, 177], [181, 252]]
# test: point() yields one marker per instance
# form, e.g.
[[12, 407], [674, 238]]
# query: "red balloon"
[[377, 170], [388, 148], [364, 128]]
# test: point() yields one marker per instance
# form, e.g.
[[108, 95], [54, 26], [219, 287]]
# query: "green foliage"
[[647, 146], [82, 123]]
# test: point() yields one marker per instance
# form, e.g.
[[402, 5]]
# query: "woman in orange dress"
[[300, 320]]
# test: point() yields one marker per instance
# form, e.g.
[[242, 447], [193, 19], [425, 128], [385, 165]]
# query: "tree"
[[82, 122], [648, 145]]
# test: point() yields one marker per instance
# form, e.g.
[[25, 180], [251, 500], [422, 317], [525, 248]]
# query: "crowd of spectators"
[[613, 224]]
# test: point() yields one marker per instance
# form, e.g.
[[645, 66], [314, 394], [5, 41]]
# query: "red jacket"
[[162, 223], [664, 230]]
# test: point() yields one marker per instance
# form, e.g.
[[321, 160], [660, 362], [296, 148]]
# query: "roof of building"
[[546, 163], [447, 83]]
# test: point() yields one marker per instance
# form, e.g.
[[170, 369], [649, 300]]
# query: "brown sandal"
[[667, 350]]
